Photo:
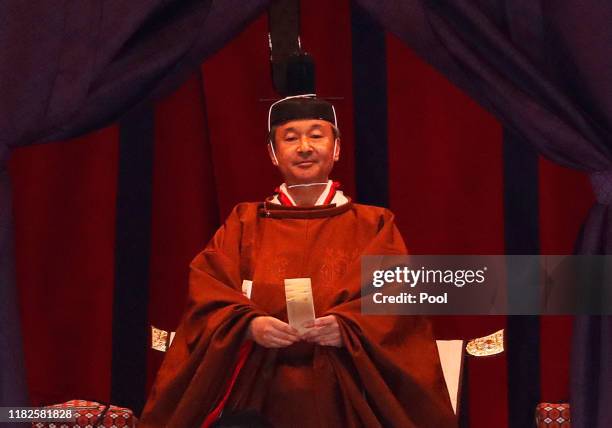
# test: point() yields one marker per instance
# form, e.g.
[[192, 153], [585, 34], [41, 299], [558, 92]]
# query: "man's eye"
[[316, 136], [290, 138]]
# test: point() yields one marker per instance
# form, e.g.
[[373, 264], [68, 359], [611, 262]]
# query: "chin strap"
[[275, 162], [324, 183], [287, 201]]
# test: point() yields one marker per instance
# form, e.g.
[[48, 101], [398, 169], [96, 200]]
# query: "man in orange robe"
[[234, 348]]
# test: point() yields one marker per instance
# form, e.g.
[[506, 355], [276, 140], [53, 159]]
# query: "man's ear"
[[272, 154], [337, 150]]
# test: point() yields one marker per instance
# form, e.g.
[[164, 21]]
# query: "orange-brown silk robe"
[[387, 374]]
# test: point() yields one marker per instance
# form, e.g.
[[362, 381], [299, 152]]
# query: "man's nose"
[[304, 146]]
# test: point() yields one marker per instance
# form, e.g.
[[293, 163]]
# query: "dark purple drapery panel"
[[12, 380], [472, 44], [543, 68], [69, 67], [80, 65]]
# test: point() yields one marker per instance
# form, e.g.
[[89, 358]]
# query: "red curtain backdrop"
[[184, 207], [445, 186], [444, 204], [64, 205]]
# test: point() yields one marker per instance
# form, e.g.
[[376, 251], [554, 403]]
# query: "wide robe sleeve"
[[388, 370], [198, 365]]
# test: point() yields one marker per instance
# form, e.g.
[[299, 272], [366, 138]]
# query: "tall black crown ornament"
[[293, 70]]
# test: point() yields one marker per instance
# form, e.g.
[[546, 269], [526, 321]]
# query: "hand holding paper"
[[324, 331], [270, 332]]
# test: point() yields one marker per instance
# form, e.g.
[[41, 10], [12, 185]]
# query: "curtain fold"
[[84, 64], [478, 55], [77, 66], [543, 68], [13, 390]]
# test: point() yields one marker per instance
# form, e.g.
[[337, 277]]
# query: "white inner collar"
[[338, 199]]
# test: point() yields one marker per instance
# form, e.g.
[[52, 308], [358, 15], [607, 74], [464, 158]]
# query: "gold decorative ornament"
[[159, 339], [487, 345]]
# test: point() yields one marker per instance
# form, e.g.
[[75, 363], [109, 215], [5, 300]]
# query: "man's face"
[[305, 150]]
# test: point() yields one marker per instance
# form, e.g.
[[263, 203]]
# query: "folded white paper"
[[300, 306]]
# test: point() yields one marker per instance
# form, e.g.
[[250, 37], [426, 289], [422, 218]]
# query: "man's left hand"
[[324, 331]]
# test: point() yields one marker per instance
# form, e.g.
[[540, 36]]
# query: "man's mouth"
[[305, 164]]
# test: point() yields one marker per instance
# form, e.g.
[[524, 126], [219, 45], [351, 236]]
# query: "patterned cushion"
[[553, 415], [87, 413]]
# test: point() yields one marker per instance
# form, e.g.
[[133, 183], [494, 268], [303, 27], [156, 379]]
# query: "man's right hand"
[[271, 332]]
